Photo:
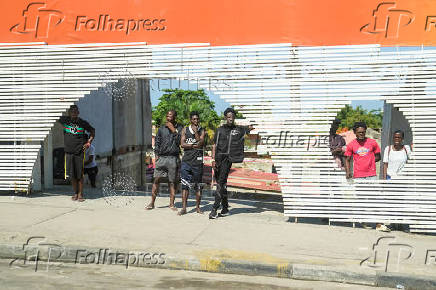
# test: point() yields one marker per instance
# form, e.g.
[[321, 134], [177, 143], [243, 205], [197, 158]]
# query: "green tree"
[[349, 116], [184, 102]]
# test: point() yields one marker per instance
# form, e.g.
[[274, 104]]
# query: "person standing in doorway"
[[192, 161], [228, 148], [167, 157], [395, 156], [76, 141]]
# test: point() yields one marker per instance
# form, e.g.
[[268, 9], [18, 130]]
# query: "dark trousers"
[[221, 174], [92, 174]]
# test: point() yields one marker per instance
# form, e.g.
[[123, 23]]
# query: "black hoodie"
[[168, 143]]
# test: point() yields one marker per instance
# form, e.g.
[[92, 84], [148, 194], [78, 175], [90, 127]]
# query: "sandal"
[[74, 197]]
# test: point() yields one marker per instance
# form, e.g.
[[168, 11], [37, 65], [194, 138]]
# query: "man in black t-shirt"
[[76, 141], [192, 162], [167, 158], [228, 147]]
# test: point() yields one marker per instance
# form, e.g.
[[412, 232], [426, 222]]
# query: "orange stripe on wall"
[[224, 22]]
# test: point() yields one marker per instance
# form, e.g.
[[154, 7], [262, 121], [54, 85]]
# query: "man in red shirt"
[[365, 153]]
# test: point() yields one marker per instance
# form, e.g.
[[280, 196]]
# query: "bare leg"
[[74, 183], [80, 190], [154, 191], [185, 194], [198, 199], [172, 187]]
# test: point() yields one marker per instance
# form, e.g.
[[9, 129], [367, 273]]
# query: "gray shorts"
[[167, 166]]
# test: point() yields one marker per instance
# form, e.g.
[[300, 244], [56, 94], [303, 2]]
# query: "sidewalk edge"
[[226, 266]]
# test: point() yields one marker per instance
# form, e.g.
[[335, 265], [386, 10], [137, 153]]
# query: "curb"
[[70, 254], [409, 282]]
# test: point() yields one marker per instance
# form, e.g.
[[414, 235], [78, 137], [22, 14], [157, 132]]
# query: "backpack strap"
[[407, 153]]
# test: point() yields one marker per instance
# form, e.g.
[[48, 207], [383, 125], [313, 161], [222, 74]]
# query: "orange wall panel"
[[224, 22]]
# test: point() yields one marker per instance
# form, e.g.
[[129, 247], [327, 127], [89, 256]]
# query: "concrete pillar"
[[48, 162], [145, 125], [386, 132], [36, 175]]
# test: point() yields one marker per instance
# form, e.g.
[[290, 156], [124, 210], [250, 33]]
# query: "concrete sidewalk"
[[256, 239]]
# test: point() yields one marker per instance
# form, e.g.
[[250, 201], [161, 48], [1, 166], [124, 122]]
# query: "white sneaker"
[[382, 228]]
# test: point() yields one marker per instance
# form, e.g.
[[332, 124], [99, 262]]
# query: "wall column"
[[48, 162]]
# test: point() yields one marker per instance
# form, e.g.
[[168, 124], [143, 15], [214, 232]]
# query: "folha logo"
[[38, 20]]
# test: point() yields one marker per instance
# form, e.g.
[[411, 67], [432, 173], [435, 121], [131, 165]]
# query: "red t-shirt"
[[363, 153]]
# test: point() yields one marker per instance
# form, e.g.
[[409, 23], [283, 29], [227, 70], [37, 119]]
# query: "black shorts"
[[191, 176], [74, 165], [91, 171]]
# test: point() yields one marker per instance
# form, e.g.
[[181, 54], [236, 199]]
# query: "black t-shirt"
[[192, 156], [74, 134], [229, 141]]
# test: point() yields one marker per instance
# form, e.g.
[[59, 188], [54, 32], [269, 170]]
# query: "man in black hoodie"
[[167, 151]]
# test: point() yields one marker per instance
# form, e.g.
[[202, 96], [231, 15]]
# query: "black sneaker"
[[224, 212], [213, 214]]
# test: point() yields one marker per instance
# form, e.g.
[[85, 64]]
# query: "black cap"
[[74, 107], [228, 110]]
